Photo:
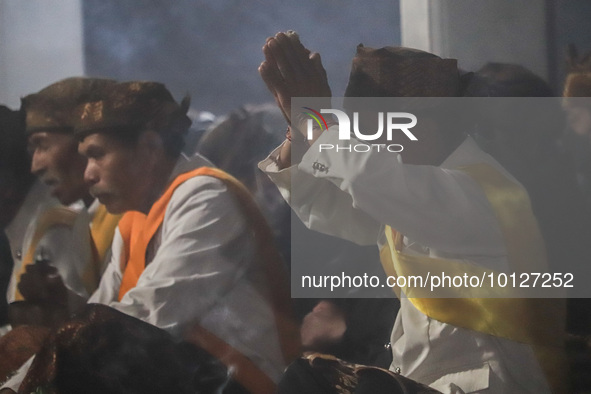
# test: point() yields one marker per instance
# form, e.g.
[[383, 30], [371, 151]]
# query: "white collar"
[[467, 153]]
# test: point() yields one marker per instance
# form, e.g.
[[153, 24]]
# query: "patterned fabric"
[[131, 107], [401, 72], [105, 351], [52, 108]]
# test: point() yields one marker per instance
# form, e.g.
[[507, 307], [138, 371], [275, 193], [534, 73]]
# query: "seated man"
[[191, 255], [49, 119], [427, 206], [36, 225]]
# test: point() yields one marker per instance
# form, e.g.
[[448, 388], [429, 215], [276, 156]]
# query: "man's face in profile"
[[56, 162], [116, 173]]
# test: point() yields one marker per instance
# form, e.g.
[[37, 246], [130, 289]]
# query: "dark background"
[[212, 49]]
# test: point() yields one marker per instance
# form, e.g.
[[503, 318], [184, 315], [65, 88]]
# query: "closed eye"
[[94, 152]]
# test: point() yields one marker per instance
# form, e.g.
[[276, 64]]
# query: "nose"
[[38, 164], [91, 174]]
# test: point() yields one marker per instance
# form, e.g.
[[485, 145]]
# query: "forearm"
[[319, 204], [444, 209]]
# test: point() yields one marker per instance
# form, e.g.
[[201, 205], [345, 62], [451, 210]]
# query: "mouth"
[[102, 197]]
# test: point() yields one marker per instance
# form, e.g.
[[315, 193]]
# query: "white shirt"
[[443, 213]]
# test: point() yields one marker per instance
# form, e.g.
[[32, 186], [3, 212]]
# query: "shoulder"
[[198, 188], [202, 194]]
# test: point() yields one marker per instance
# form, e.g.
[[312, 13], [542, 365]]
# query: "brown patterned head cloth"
[[578, 81], [128, 108], [52, 108], [401, 72]]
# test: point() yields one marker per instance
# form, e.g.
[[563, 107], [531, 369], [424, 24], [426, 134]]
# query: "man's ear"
[[150, 148], [151, 141]]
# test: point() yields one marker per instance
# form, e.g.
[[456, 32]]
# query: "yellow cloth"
[[534, 321], [102, 231]]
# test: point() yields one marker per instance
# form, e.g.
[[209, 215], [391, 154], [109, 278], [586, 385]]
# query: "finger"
[[297, 55], [30, 287], [270, 71], [321, 72], [317, 63], [284, 64], [269, 53], [300, 51], [55, 281], [272, 78], [41, 268], [275, 83]]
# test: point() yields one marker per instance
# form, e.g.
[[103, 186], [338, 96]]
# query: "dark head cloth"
[[578, 80], [132, 107], [401, 72], [52, 108], [507, 80]]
